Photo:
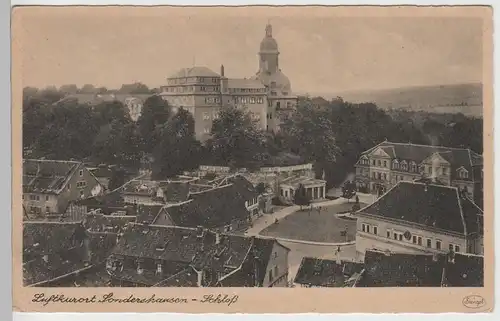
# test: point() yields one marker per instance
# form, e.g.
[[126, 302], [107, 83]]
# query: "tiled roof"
[[466, 270], [195, 72], [397, 269], [400, 270], [430, 205], [146, 214], [457, 157], [184, 246], [176, 192], [185, 278], [325, 273], [47, 176], [244, 83], [107, 223], [213, 208], [60, 243], [141, 187]]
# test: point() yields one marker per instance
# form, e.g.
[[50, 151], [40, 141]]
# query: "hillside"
[[461, 98]]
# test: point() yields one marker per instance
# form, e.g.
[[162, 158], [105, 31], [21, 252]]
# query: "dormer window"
[[463, 173], [395, 164], [158, 268], [81, 172], [413, 166], [404, 165]]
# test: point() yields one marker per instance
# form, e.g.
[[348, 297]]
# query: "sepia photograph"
[[262, 147]]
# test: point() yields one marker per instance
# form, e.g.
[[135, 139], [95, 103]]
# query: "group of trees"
[[330, 136], [134, 88]]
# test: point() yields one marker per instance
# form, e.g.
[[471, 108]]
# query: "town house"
[[49, 185], [228, 207], [420, 218], [388, 163], [152, 255]]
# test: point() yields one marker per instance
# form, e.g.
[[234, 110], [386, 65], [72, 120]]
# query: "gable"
[[436, 159], [379, 152]]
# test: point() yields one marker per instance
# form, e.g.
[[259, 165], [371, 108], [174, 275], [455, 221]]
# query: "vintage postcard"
[[252, 159]]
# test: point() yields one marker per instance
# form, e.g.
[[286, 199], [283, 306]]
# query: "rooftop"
[[194, 72], [434, 206], [47, 176], [325, 273]]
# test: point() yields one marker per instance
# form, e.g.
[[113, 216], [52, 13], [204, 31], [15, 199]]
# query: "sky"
[[318, 52]]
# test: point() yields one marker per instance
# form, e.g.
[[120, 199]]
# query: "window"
[[373, 162], [413, 167], [438, 245], [206, 116], [276, 270], [252, 100], [81, 172], [47, 209], [81, 184], [158, 268], [275, 254], [363, 227], [457, 248], [388, 234], [46, 197], [395, 236], [260, 100], [414, 238], [270, 275], [395, 164], [400, 236], [444, 171], [463, 173], [450, 247], [379, 163], [81, 192], [375, 230], [430, 170], [367, 228], [385, 163], [420, 240], [429, 243], [404, 166], [374, 175]]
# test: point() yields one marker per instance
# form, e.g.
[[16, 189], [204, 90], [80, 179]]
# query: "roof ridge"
[[50, 160], [461, 213], [423, 145]]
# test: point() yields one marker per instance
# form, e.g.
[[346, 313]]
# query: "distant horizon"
[[318, 53]]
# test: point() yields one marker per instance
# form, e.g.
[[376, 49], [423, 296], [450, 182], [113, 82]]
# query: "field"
[[315, 226]]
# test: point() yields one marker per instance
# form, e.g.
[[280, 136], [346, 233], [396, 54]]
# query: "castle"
[[267, 95]]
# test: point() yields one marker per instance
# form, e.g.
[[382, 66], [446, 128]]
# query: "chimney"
[[222, 70], [200, 278], [217, 237]]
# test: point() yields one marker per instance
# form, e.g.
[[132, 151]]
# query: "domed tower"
[[268, 53]]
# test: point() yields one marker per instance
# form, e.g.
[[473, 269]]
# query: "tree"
[[300, 197], [310, 134], [235, 140], [177, 149], [68, 89], [349, 190], [117, 178], [135, 88], [155, 112], [88, 89], [261, 188]]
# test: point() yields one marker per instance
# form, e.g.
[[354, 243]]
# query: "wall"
[[279, 259], [365, 241]]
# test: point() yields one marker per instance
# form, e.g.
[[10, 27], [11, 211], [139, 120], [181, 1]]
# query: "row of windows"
[[193, 79], [81, 184], [212, 100], [415, 239], [215, 115], [412, 167], [247, 90], [249, 100]]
